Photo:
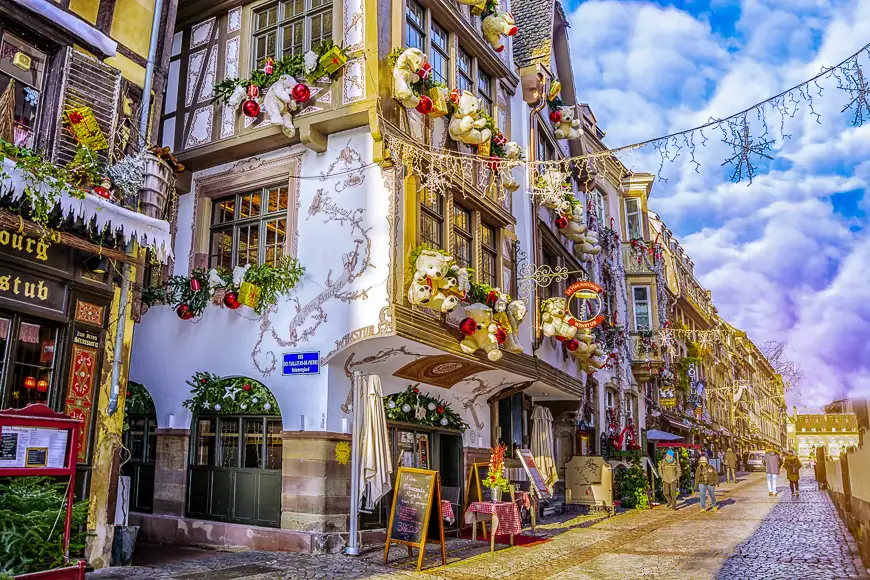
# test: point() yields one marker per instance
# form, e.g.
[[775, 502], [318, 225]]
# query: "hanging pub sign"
[[590, 309], [417, 498], [32, 290], [667, 397]]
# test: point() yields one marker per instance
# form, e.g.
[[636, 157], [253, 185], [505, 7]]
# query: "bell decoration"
[[424, 107], [572, 344], [499, 139], [561, 222], [251, 108], [231, 300], [183, 312], [195, 285], [29, 383], [101, 191], [42, 386], [555, 116], [425, 71], [270, 66], [301, 93], [253, 91], [500, 335]]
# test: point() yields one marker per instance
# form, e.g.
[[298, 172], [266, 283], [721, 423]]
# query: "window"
[[432, 221], [415, 26], [290, 27], [640, 294], [464, 72], [489, 252], [463, 244], [249, 228], [32, 358], [484, 91], [632, 218], [24, 65], [439, 55], [549, 259], [608, 400], [596, 201]]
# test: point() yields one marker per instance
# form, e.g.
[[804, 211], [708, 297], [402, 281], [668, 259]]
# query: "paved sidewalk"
[[753, 536]]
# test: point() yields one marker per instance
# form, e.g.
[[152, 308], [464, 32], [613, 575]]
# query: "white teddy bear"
[[467, 125], [484, 336], [433, 286], [588, 352], [556, 320], [496, 25], [569, 127], [405, 75], [587, 248], [516, 313], [574, 229], [279, 103], [512, 152]]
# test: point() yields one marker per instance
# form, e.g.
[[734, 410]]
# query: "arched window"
[[140, 439]]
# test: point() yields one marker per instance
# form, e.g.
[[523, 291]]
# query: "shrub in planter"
[[631, 486]]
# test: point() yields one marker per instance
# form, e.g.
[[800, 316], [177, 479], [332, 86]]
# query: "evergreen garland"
[[403, 407], [213, 395]]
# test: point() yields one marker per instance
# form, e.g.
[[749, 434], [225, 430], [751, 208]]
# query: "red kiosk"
[[36, 441]]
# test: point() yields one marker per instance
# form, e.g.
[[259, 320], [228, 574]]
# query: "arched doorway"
[[234, 472], [140, 439]]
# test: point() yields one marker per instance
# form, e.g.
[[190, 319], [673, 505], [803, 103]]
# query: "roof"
[[842, 422], [533, 41]]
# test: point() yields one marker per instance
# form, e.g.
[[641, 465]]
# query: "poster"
[[44, 447]]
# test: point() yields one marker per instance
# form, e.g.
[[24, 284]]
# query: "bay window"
[[290, 27], [641, 303]]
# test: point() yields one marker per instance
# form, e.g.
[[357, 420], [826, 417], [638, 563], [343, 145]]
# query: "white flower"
[[310, 59]]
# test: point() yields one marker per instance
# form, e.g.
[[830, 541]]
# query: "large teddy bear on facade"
[[436, 283], [516, 313], [279, 103], [572, 228], [497, 25], [568, 127], [467, 125], [512, 152], [405, 75], [484, 335], [587, 248], [556, 320], [588, 352]]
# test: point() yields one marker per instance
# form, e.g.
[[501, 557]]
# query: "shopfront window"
[[31, 356], [24, 66]]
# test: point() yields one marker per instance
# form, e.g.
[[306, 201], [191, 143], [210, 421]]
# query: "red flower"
[[492, 297]]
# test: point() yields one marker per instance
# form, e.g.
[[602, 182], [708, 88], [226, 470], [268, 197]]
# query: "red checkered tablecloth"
[[508, 515], [447, 511]]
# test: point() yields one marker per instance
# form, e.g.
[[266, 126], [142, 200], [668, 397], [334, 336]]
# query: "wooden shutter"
[[91, 83]]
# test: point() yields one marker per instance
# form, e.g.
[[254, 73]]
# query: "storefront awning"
[[656, 435], [676, 422]]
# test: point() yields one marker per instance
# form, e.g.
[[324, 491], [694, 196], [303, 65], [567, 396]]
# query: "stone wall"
[[170, 472]]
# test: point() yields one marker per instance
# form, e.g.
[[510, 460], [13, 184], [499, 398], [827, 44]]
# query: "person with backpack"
[[670, 472], [793, 472]]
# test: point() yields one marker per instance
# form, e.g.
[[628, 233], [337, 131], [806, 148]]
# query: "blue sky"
[[786, 257]]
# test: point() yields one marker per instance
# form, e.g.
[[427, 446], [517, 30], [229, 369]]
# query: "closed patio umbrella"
[[376, 464], [542, 444]]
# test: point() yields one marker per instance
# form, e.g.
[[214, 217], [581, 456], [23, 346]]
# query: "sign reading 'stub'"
[[302, 363]]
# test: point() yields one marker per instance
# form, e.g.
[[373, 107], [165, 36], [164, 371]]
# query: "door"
[[140, 438]]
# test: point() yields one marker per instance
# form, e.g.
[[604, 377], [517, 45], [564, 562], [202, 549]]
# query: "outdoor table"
[[447, 512], [504, 515]]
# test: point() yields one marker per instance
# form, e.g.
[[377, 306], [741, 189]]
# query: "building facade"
[[835, 432]]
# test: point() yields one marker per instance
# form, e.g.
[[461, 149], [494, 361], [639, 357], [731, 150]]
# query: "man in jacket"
[[670, 472], [730, 466], [706, 479], [772, 463], [792, 466]]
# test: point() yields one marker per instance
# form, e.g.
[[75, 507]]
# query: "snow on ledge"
[[78, 28]]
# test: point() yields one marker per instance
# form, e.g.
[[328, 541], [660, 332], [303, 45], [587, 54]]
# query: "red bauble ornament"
[[251, 108], [416, 391], [101, 191], [231, 300], [270, 67], [499, 139], [183, 312], [555, 116], [500, 336], [301, 93], [247, 387], [561, 222], [560, 338], [440, 409], [572, 344], [494, 162], [253, 91], [128, 393], [195, 285], [204, 381], [425, 105], [468, 326]]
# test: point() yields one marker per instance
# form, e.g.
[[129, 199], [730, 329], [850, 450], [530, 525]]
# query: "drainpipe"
[[125, 269], [533, 113]]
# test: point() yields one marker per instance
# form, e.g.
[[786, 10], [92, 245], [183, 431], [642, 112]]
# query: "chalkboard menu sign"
[[535, 477], [416, 499], [36, 457]]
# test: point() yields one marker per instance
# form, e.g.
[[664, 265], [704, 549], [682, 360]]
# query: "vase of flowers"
[[496, 480]]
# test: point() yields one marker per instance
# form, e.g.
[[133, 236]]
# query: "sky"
[[786, 257]]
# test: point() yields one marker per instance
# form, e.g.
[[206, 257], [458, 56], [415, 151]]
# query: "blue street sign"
[[301, 363]]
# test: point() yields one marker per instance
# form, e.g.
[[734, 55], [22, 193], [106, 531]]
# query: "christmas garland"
[[413, 406], [212, 395], [138, 400]]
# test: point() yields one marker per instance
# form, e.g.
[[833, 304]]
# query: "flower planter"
[[496, 494], [158, 179]]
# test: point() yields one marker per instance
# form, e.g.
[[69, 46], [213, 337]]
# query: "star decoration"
[[744, 147]]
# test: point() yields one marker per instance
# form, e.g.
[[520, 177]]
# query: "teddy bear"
[[484, 335], [556, 320], [588, 352], [436, 284], [476, 5], [279, 103], [516, 313], [511, 152], [497, 24], [468, 125], [405, 75], [572, 228], [568, 127], [587, 248]]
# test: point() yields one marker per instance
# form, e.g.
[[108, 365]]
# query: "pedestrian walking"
[[772, 463], [793, 471], [670, 472], [730, 466], [706, 479]]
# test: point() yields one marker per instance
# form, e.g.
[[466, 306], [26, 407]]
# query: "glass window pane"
[[229, 447], [265, 18], [33, 363], [640, 293], [321, 29], [430, 231], [319, 3], [294, 8], [293, 35], [152, 440], [488, 275], [464, 62], [221, 252], [249, 205], [487, 236], [274, 444], [224, 210], [264, 47], [462, 218], [253, 444], [277, 199], [434, 203], [136, 439], [439, 37], [205, 442], [415, 13], [462, 250], [484, 84]]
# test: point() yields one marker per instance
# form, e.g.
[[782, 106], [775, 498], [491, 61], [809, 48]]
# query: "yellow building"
[[835, 432]]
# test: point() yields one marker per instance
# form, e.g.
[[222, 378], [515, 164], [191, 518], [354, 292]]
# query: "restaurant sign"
[[31, 289]]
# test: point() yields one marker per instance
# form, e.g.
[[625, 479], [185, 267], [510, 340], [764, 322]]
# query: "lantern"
[[29, 383], [42, 385]]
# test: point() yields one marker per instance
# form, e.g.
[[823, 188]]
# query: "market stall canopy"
[[76, 27], [656, 435], [131, 225]]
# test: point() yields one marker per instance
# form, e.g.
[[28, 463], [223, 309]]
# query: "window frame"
[[282, 22], [634, 304], [427, 212], [489, 251], [466, 234], [633, 214]]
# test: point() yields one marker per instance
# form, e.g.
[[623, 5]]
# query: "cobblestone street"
[[752, 536]]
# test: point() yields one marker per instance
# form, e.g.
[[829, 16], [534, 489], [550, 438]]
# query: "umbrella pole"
[[352, 547]]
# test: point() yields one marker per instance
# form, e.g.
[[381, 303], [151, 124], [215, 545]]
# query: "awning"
[[76, 27], [656, 435], [676, 422]]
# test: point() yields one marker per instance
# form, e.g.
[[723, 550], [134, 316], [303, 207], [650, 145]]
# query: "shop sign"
[[32, 290], [302, 363], [589, 293], [32, 249], [667, 398]]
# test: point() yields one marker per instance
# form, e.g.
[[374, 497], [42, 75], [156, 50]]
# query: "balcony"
[[646, 349], [636, 260]]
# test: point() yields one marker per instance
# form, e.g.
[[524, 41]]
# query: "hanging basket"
[[158, 179]]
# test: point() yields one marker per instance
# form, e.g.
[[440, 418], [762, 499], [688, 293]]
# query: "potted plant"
[[158, 179], [496, 481]]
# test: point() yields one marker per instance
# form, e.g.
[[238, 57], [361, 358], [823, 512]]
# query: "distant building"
[[834, 431]]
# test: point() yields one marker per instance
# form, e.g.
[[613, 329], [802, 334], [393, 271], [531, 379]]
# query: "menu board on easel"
[[528, 461], [474, 491], [417, 496]]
